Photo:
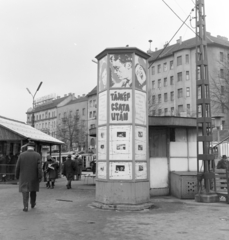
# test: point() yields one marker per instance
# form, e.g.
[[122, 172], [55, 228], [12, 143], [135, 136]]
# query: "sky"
[[55, 41]]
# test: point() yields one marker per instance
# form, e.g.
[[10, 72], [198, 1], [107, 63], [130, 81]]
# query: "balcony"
[[92, 132]]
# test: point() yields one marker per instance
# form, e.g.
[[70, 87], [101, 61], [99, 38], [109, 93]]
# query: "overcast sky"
[[54, 41]]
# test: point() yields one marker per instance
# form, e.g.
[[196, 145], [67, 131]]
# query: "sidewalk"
[[67, 214]]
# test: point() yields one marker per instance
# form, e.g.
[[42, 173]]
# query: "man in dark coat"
[[223, 163], [69, 170], [28, 171]]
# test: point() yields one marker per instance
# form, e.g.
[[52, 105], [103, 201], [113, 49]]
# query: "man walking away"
[[28, 171], [68, 171]]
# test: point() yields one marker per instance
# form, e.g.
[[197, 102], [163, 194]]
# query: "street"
[[67, 214]]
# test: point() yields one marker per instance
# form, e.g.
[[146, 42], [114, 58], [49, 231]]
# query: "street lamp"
[[33, 96]]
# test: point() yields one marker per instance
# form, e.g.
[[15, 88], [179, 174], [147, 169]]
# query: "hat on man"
[[224, 157], [49, 158], [31, 144], [69, 156]]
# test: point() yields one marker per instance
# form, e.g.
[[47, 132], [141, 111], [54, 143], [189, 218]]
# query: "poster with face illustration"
[[140, 170], [120, 70], [140, 73], [102, 170], [140, 143], [103, 74], [140, 107], [102, 116], [102, 143], [120, 170], [120, 143]]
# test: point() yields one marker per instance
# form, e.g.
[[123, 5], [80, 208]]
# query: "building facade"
[[172, 80]]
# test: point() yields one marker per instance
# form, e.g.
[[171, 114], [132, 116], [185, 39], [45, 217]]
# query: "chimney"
[[65, 95], [155, 49], [83, 95], [179, 40], [69, 94]]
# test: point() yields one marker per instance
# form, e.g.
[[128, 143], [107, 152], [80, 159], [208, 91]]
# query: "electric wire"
[[169, 41]]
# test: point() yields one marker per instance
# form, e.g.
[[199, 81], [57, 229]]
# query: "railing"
[[7, 173]]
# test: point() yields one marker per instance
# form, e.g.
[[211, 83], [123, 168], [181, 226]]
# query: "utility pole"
[[205, 158]]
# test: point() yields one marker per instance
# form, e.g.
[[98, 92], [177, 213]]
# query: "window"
[[187, 91], [180, 108], [165, 82], [221, 56], [222, 90], [171, 65], [198, 73], [166, 111], [153, 99], [59, 115], [159, 98], [187, 59], [153, 70], [91, 103], [159, 68], [188, 109], [180, 93], [77, 112], [94, 103], [153, 112], [83, 111], [159, 83], [172, 111], [165, 97], [179, 76], [171, 96], [187, 75], [39, 117], [221, 73], [171, 80], [165, 67], [94, 113], [159, 112], [90, 115], [179, 60], [153, 84]]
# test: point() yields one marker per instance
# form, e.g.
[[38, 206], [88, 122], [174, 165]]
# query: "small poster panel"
[[120, 170], [102, 170], [140, 73], [140, 106], [140, 143], [102, 116], [103, 74], [140, 170], [120, 143], [102, 143], [120, 70], [120, 106]]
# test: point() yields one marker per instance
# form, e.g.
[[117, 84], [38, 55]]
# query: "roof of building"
[[49, 105], [92, 92], [172, 121], [77, 100], [187, 44], [24, 131]]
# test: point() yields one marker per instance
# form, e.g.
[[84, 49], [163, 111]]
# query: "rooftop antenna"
[[150, 44]]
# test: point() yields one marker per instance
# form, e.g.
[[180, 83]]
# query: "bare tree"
[[68, 131]]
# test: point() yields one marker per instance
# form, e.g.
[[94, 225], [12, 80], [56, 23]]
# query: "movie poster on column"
[[120, 106], [102, 116], [102, 170], [140, 107], [120, 142], [120, 170], [102, 145], [140, 170], [140, 143], [103, 74], [140, 73]]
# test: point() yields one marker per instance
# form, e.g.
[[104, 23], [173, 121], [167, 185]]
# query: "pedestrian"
[[93, 166], [51, 172], [223, 163], [68, 170], [80, 166], [44, 169], [28, 171], [76, 173]]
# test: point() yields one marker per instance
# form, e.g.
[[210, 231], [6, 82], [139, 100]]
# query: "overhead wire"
[[183, 22]]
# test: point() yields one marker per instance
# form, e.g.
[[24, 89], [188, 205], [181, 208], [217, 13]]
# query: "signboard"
[[103, 74], [120, 106], [120, 142], [140, 73], [140, 143], [140, 170], [102, 143], [140, 107], [102, 116]]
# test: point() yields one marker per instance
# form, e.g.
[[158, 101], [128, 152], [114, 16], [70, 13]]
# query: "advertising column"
[[122, 133]]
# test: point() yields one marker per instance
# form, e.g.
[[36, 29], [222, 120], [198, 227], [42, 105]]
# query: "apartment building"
[[172, 78], [92, 116]]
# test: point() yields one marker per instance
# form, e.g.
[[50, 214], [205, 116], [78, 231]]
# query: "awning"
[[11, 130]]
